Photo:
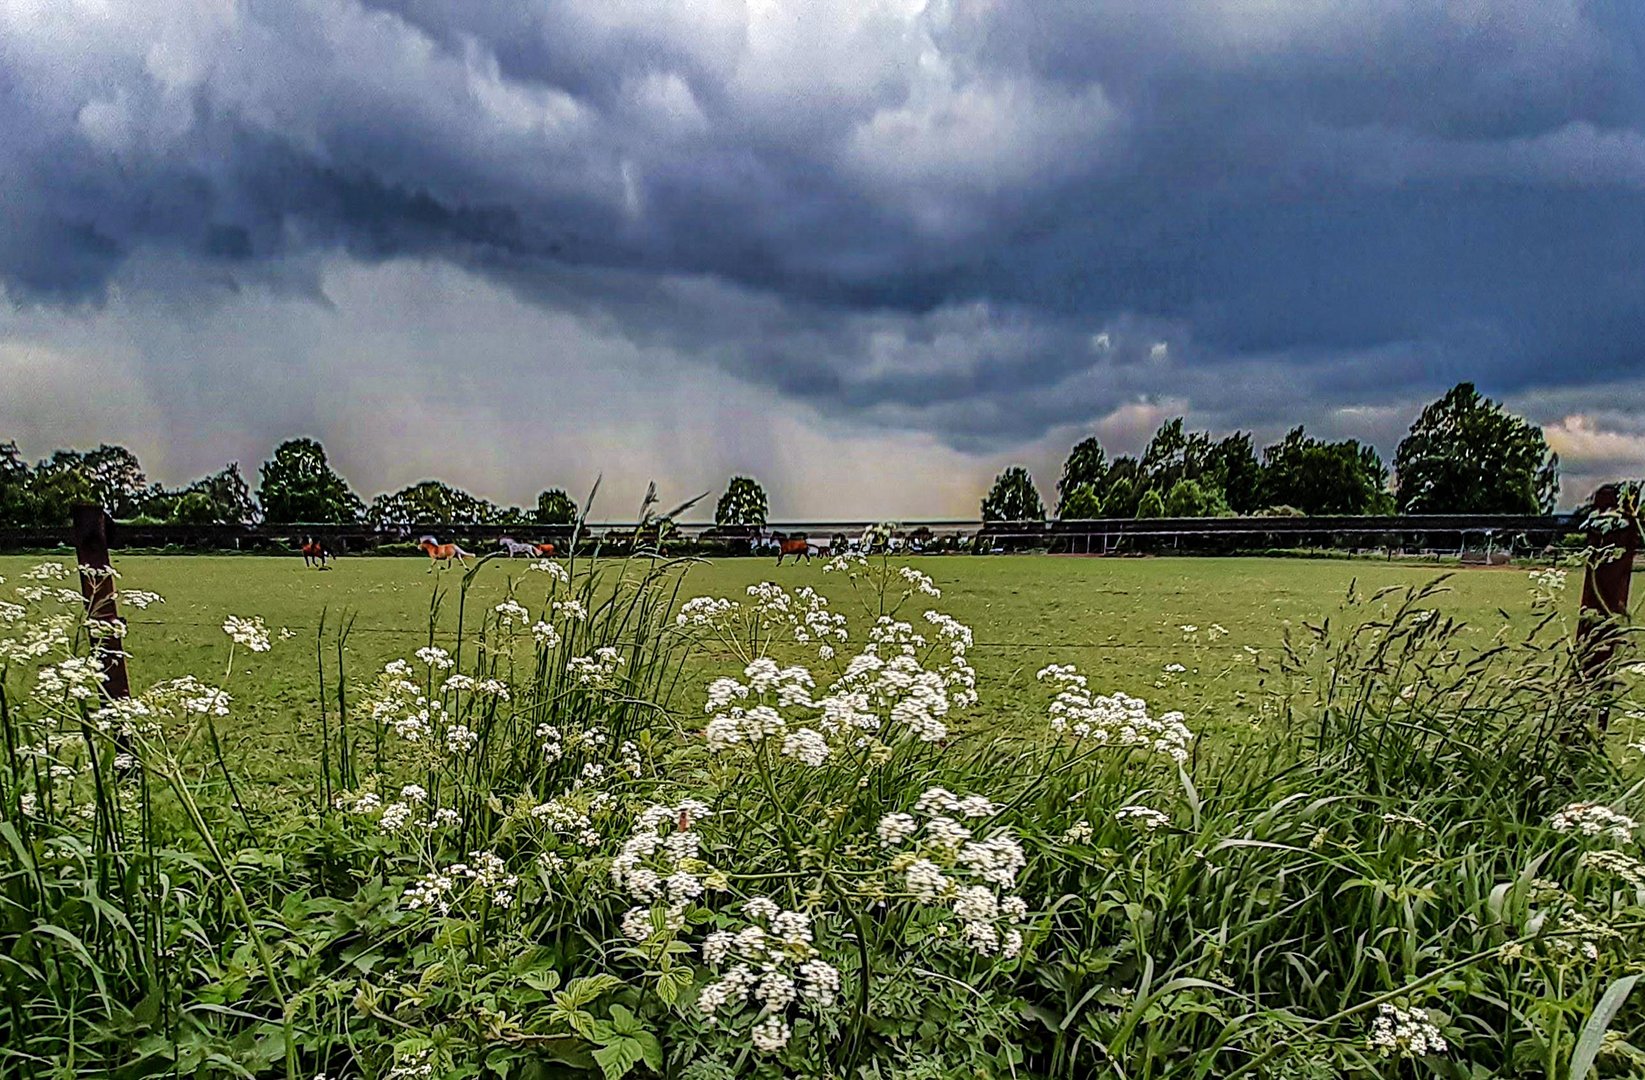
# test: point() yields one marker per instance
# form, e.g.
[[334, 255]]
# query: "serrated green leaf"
[[619, 1058]]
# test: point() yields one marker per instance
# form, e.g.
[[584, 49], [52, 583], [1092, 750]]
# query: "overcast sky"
[[868, 251]]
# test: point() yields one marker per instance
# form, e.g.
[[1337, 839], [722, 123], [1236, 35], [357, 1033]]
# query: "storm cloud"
[[954, 231]]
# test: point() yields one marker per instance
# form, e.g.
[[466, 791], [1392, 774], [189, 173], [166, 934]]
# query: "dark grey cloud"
[[917, 216]]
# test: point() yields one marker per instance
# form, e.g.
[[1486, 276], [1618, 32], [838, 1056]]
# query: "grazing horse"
[[516, 547], [438, 552], [315, 552], [795, 546]]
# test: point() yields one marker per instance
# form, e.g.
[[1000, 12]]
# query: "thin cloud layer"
[[965, 226]]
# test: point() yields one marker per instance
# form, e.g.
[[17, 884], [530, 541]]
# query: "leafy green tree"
[[1168, 456], [223, 498], [1192, 498], [1320, 477], [430, 502], [55, 486], [742, 504], [1151, 505], [1083, 503], [554, 507], [16, 498], [1126, 486], [1233, 466], [1466, 454], [112, 473], [299, 485], [1013, 498], [1086, 467]]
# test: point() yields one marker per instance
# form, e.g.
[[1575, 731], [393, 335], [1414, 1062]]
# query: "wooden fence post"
[[91, 549], [1612, 528]]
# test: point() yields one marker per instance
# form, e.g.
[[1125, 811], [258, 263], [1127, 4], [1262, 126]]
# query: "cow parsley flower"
[[1145, 818], [1405, 1033], [551, 568], [512, 614], [1593, 819], [435, 657], [806, 745], [248, 632]]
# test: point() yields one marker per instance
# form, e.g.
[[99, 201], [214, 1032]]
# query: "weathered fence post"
[[91, 548], [1612, 539]]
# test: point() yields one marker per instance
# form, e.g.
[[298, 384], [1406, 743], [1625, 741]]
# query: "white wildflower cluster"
[[486, 877], [661, 865], [918, 582], [553, 569], [1616, 864], [76, 677], [412, 810], [1078, 833], [1593, 819], [598, 670], [1112, 720], [56, 571], [435, 657], [814, 624], [251, 633], [512, 615], [570, 610], [140, 599], [771, 962], [41, 636], [568, 819], [850, 563], [186, 695], [1144, 818], [707, 611], [398, 703], [1408, 1033], [545, 635], [941, 861], [773, 687], [1546, 586]]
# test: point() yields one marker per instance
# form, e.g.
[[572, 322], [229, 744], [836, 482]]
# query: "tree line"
[[296, 484], [1465, 454]]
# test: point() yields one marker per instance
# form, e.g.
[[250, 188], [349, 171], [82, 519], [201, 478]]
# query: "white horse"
[[515, 547]]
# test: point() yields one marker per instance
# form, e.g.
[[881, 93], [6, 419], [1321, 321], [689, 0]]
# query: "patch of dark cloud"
[[914, 215]]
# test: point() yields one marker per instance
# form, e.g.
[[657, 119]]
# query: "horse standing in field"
[[795, 546], [515, 547], [545, 550], [438, 552], [316, 553]]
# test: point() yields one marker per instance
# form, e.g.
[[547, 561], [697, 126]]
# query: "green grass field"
[[1119, 619]]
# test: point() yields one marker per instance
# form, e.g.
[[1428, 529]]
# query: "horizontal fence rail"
[[1425, 532]]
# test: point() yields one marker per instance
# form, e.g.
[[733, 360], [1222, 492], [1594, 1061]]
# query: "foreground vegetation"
[[602, 829]]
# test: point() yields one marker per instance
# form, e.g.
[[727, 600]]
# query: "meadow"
[[944, 818], [1121, 620]]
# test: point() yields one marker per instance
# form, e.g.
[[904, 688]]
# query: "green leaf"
[[624, 1022], [671, 986], [586, 990], [651, 1050], [546, 981], [616, 1060], [1593, 1032]]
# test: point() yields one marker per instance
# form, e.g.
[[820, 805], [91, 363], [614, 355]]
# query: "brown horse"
[[791, 546], [438, 552], [546, 550], [315, 553]]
